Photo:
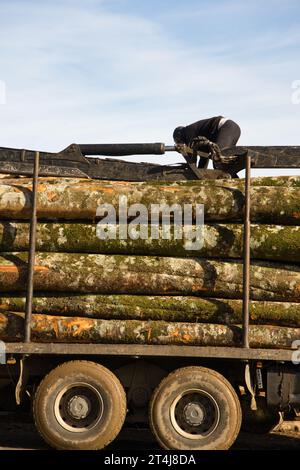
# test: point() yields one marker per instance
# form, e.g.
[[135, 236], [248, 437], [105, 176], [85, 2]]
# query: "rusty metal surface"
[[71, 162], [150, 350], [269, 156], [157, 148]]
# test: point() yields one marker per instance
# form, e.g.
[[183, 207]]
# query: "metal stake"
[[31, 256], [246, 254]]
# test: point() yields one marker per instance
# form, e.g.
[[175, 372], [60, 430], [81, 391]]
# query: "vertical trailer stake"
[[246, 254], [31, 256]]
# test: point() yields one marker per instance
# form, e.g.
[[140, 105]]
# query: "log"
[[149, 275], [270, 242], [47, 328], [79, 200], [288, 181], [167, 308]]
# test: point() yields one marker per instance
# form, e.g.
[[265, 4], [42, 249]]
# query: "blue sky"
[[129, 70]]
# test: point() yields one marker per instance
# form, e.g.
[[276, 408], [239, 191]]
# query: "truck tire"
[[79, 405], [195, 408]]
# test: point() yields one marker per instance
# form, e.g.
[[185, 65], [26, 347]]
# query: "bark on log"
[[47, 328], [79, 200], [149, 275], [288, 181], [167, 308], [270, 242]]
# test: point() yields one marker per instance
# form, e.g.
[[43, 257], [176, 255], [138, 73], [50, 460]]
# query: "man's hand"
[[184, 150], [203, 144], [227, 160]]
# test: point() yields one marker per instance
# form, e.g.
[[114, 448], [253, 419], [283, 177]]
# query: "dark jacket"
[[205, 127]]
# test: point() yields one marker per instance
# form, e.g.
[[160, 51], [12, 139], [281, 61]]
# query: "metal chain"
[[203, 144]]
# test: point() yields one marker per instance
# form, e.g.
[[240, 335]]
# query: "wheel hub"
[[79, 407], [193, 414]]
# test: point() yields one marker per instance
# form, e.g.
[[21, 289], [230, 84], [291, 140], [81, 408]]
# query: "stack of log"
[[151, 291]]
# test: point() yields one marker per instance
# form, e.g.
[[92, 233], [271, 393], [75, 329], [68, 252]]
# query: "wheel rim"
[[194, 414], [78, 407]]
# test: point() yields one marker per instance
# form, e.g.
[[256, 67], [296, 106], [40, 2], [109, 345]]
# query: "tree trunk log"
[[82, 330], [73, 200], [270, 242], [146, 275], [167, 308], [288, 181]]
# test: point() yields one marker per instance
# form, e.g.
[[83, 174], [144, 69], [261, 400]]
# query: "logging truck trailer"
[[192, 397]]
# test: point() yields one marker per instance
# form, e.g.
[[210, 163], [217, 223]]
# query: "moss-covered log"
[[75, 329], [67, 199], [271, 242], [148, 275], [288, 181], [167, 308]]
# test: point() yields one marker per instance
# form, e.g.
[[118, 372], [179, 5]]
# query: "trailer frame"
[[244, 352]]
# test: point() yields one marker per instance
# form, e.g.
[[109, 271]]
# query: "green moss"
[[167, 308], [279, 243]]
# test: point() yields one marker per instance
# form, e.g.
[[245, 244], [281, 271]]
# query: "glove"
[[227, 160], [184, 150]]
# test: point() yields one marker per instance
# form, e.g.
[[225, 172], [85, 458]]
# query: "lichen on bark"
[[167, 308], [79, 200], [149, 275], [45, 328], [270, 242]]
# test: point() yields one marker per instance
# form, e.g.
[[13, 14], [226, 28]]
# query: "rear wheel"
[[195, 408], [79, 405]]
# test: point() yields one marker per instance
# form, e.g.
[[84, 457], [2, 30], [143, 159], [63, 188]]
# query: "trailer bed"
[[150, 350]]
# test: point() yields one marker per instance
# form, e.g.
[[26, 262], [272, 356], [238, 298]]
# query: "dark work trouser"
[[228, 136]]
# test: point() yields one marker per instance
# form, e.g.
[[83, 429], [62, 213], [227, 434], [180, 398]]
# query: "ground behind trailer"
[[17, 432]]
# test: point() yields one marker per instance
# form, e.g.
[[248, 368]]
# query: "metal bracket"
[[22, 381], [250, 387], [192, 166]]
